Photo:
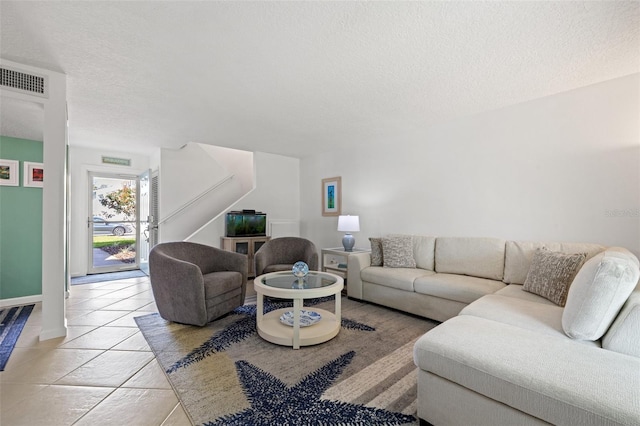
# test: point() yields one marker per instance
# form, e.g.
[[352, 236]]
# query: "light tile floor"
[[102, 373]]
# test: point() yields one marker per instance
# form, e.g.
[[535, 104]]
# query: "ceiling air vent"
[[23, 82]]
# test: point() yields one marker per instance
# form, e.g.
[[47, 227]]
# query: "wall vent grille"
[[23, 82]]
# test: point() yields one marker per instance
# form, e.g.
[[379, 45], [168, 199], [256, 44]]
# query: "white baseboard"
[[16, 301]]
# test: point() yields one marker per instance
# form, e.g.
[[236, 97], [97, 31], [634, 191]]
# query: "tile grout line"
[[130, 292]]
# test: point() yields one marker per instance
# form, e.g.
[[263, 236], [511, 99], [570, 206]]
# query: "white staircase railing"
[[194, 200]]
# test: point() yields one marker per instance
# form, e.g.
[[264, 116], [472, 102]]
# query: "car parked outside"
[[102, 226]]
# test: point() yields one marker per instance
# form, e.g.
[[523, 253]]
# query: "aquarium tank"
[[246, 223]]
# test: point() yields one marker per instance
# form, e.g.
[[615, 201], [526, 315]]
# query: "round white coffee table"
[[284, 285]]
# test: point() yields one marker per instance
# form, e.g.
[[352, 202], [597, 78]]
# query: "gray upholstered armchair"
[[280, 254], [194, 283]]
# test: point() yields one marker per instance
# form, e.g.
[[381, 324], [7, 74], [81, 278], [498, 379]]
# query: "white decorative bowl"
[[307, 318]]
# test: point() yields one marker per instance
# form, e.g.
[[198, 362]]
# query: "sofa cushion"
[[397, 252], [624, 334], [519, 254], [477, 257], [554, 379], [376, 251], [399, 278], [551, 274], [530, 315], [515, 291], [424, 249], [460, 288], [597, 293], [219, 283]]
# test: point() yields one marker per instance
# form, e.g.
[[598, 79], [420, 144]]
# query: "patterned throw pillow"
[[398, 252], [376, 251], [551, 274]]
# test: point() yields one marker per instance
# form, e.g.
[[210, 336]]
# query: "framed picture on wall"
[[33, 174], [331, 196], [9, 173]]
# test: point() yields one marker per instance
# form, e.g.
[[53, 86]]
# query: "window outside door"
[[114, 222]]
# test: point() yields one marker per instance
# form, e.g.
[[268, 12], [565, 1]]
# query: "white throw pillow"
[[597, 294]]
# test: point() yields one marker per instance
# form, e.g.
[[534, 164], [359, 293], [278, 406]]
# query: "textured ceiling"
[[21, 119], [301, 77]]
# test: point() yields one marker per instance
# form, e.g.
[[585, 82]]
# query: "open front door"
[[145, 220], [113, 222]]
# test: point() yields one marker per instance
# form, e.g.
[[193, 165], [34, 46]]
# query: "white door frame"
[[92, 269]]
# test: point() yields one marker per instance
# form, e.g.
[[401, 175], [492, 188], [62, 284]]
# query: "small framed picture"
[[331, 196], [33, 174], [9, 173]]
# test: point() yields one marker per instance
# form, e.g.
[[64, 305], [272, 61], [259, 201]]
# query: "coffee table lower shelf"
[[274, 331]]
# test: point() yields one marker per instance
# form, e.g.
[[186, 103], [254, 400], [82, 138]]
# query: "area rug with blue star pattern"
[[12, 321], [225, 374]]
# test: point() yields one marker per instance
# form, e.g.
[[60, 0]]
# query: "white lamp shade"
[[349, 223]]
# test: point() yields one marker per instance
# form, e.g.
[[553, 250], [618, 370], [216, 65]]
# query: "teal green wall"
[[20, 225]]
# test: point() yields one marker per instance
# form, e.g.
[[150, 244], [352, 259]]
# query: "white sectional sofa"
[[505, 356]]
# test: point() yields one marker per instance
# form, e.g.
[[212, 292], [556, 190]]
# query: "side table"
[[336, 260]]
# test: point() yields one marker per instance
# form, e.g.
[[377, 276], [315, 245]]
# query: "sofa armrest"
[[356, 263], [178, 289]]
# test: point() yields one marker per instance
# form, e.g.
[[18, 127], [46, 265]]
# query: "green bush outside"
[[100, 241]]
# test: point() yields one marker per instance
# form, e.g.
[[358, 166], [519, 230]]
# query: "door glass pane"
[[242, 248], [153, 213], [143, 209], [113, 224]]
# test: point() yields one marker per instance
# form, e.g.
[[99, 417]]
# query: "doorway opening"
[[118, 222]]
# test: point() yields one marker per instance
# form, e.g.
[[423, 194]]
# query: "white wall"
[[81, 162], [186, 173], [236, 161], [188, 193], [54, 244], [277, 193], [561, 168]]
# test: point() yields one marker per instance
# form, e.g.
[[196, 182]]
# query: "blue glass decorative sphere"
[[300, 269]]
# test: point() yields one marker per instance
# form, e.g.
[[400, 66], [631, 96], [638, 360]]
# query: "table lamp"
[[348, 224]]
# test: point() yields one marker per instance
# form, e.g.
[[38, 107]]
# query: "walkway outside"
[[102, 258]]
